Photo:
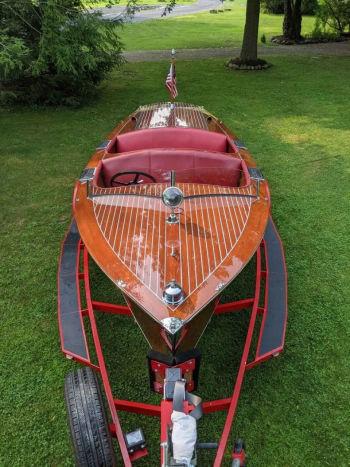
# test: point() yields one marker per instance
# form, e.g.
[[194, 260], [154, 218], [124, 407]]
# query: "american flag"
[[170, 82]]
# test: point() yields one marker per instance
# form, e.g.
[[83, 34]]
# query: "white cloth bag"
[[184, 436]]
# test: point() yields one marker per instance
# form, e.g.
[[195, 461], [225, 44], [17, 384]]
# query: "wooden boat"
[[171, 207]]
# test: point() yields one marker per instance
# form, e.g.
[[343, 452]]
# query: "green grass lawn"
[[294, 410], [202, 30]]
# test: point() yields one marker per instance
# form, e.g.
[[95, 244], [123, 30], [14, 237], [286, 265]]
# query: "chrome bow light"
[[173, 293], [172, 197]]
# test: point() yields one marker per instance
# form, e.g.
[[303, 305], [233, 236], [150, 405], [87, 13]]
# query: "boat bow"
[[218, 231]]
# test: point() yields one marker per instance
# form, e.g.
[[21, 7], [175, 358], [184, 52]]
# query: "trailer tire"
[[89, 430]]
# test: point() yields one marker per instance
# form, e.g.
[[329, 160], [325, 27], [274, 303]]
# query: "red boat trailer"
[[271, 276]]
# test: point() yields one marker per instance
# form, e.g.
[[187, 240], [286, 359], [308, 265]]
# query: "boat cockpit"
[[149, 155]]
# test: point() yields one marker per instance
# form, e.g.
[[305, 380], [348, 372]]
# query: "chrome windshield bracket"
[[256, 174], [87, 175]]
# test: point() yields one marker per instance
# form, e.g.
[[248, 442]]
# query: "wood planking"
[[167, 114], [156, 252]]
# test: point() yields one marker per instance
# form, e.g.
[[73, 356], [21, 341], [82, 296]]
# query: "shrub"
[[319, 35], [333, 14], [53, 51]]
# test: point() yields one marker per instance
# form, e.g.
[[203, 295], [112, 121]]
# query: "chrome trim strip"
[[208, 195]]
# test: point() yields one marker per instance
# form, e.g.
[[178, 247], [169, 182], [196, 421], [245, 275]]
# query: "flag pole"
[[170, 81], [173, 59]]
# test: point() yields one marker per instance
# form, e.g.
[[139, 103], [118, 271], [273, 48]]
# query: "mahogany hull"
[[156, 337]]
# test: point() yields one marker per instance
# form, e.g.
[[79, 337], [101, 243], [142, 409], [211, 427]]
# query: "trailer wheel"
[[90, 435]]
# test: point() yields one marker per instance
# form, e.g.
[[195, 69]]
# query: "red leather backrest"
[[170, 138], [191, 166]]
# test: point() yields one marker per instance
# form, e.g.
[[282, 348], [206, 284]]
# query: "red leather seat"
[[169, 137], [191, 166]]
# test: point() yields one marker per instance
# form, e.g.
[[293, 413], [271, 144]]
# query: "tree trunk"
[[292, 20], [249, 52]]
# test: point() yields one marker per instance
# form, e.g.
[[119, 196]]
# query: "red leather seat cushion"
[[191, 166], [170, 138]]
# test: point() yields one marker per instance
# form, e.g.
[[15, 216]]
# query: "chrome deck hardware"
[[173, 293]]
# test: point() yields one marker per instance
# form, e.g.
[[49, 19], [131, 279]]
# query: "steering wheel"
[[134, 181]]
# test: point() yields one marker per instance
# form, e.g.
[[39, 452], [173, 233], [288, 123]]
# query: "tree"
[[292, 20], [249, 51], [248, 58], [54, 51], [276, 7]]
